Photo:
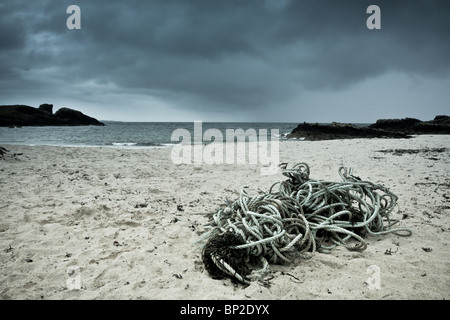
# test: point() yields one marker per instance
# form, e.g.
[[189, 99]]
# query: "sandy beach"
[[111, 223]]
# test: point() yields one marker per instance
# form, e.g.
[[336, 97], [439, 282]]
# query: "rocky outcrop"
[[383, 128], [46, 107], [22, 115], [317, 131], [441, 120], [76, 118], [440, 125]]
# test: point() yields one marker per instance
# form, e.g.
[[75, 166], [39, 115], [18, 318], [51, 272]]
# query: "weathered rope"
[[303, 216]]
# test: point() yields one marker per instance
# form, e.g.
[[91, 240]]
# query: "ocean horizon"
[[129, 134]]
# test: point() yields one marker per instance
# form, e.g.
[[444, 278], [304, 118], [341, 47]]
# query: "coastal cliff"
[[22, 115]]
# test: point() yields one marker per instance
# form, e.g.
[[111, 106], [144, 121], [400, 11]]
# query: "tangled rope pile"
[[301, 217]]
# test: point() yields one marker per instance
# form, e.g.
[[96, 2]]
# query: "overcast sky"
[[228, 60]]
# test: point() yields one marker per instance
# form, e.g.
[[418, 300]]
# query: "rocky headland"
[[22, 115], [383, 128]]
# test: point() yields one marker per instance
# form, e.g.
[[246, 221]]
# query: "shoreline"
[[125, 146], [135, 146], [128, 217]]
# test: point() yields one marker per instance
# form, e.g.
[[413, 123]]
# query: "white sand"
[[111, 213]]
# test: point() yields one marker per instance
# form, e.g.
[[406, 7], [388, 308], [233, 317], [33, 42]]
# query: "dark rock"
[[21, 115], [46, 107], [336, 130], [74, 117], [430, 128], [442, 120], [3, 151], [383, 128], [405, 125], [440, 125]]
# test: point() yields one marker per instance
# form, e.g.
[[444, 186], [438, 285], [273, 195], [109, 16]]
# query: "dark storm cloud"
[[224, 54]]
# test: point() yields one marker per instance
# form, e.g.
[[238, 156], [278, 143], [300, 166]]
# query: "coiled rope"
[[301, 217]]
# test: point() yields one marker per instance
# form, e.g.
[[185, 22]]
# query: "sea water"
[[125, 134]]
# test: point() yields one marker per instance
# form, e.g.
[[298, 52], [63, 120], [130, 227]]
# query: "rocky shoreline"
[[22, 115], [439, 125], [383, 128]]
